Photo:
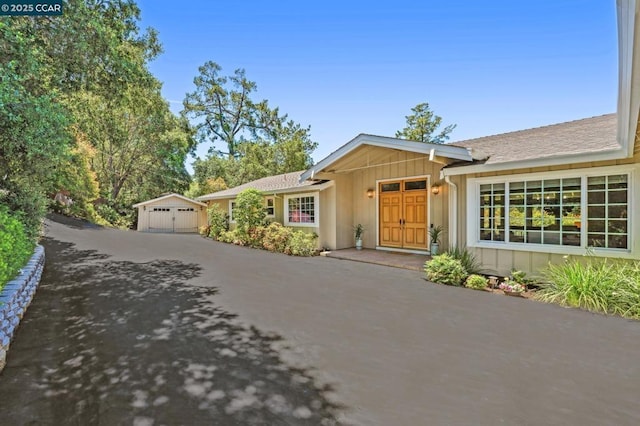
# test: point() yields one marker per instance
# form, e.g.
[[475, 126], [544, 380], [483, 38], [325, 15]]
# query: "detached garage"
[[171, 213]]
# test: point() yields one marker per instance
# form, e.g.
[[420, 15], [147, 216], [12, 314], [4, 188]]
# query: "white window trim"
[[231, 203], [316, 208], [473, 211], [266, 205]]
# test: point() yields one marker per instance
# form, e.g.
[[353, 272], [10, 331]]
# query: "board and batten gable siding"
[[405, 165], [143, 215], [503, 261]]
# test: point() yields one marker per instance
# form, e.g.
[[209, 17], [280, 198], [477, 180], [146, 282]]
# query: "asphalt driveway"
[[131, 328]]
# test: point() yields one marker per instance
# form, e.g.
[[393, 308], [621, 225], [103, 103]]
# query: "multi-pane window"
[[270, 206], [550, 211], [492, 225], [232, 208], [607, 224], [301, 210], [545, 212]]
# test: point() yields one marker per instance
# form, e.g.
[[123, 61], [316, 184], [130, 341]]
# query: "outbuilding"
[[171, 213]]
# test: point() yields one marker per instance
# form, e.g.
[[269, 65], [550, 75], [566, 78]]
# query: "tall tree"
[[34, 140], [422, 125], [224, 110]]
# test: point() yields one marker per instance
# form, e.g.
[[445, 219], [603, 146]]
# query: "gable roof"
[[164, 197], [558, 144], [286, 182], [447, 151]]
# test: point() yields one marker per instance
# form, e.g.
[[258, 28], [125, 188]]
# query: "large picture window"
[[301, 210], [566, 211]]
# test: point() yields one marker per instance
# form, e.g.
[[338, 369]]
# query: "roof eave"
[[293, 190], [608, 155], [439, 150], [164, 197]]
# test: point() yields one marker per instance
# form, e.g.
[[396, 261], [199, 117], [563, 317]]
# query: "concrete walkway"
[[413, 262], [142, 329]]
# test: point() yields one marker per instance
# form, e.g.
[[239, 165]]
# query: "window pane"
[[597, 197], [618, 196], [617, 182], [390, 187], [416, 184], [302, 210], [571, 239], [596, 225], [617, 241], [572, 184], [492, 210], [596, 212], [596, 240], [598, 182]]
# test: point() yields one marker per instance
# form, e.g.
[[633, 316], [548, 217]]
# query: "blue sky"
[[349, 67]]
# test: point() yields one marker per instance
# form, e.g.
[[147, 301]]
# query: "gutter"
[[619, 153], [453, 211]]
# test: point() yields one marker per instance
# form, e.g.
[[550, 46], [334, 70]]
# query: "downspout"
[[453, 211]]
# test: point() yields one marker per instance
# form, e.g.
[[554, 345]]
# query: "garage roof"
[[164, 197]]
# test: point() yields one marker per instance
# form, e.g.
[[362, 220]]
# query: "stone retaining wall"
[[15, 297]]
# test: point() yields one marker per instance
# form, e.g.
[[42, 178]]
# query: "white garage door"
[[173, 219]]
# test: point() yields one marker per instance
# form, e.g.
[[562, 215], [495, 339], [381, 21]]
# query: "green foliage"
[[598, 285], [228, 237], [27, 204], [444, 269], [81, 112], [358, 230], [15, 246], [422, 124], [259, 141], [435, 232], [249, 211], [302, 244], [469, 260], [476, 282], [277, 237], [224, 107], [218, 221]]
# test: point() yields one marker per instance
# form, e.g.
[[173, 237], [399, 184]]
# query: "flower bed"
[[15, 297]]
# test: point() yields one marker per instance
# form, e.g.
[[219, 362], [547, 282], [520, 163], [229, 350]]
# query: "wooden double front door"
[[403, 214]]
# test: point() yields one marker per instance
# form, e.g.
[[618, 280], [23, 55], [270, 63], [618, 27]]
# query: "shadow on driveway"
[[108, 342]]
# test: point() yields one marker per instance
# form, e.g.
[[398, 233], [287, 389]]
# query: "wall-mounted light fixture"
[[144, 208], [370, 193], [435, 189]]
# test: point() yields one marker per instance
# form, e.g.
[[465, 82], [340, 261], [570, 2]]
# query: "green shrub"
[[469, 261], [218, 221], [15, 246], [276, 237], [445, 269], [29, 206], [598, 285], [256, 236], [302, 244], [249, 211], [476, 282], [231, 237]]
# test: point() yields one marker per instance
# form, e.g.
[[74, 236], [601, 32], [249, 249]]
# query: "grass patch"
[[597, 285]]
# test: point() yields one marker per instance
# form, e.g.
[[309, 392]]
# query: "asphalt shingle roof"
[[586, 136], [270, 183]]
